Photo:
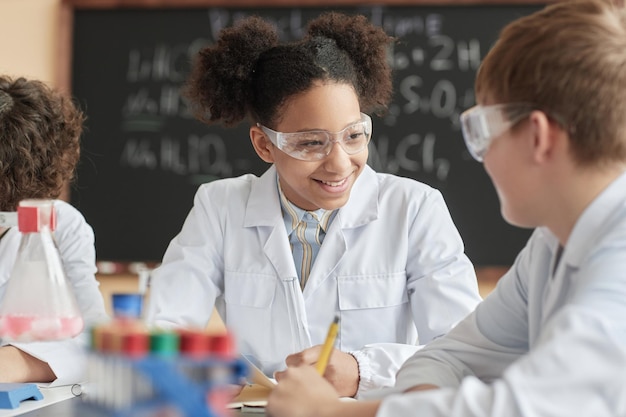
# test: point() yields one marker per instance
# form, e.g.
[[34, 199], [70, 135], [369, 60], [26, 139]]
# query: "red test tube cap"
[[135, 344], [195, 344], [223, 345]]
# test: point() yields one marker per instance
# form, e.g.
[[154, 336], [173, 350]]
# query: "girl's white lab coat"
[[392, 265]]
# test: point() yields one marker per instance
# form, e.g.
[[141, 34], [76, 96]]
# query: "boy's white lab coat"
[[549, 341], [392, 265]]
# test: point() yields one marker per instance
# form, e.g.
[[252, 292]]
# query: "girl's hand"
[[342, 370]]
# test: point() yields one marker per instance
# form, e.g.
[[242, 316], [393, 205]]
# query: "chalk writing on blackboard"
[[144, 147]]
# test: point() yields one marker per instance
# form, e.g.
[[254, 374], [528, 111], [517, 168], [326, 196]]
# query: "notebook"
[[254, 394]]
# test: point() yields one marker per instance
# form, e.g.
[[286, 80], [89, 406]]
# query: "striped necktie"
[[306, 232], [309, 235]]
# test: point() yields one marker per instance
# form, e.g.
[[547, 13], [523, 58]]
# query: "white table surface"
[[50, 396], [56, 404]]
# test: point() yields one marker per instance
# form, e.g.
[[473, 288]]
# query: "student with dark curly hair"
[[40, 133], [320, 233], [550, 340]]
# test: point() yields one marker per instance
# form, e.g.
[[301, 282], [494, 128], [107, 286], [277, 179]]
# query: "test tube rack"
[[183, 374]]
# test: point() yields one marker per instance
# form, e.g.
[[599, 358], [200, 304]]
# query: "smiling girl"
[[319, 233]]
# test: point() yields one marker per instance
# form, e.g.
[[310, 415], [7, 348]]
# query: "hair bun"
[[219, 86]]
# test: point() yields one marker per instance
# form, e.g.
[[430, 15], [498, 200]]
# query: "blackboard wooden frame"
[[68, 7]]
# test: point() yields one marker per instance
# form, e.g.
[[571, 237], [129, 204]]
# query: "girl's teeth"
[[333, 184]]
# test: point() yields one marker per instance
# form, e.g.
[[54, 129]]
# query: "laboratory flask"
[[38, 303]]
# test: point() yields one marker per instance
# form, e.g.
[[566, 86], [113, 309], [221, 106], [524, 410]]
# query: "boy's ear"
[[262, 144], [545, 137]]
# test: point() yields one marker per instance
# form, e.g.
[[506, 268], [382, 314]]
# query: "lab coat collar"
[[594, 223], [263, 208], [263, 212], [362, 206]]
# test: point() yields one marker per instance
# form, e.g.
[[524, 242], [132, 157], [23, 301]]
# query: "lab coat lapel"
[[263, 212], [361, 209]]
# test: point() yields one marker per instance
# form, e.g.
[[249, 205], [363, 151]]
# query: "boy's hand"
[[302, 392]]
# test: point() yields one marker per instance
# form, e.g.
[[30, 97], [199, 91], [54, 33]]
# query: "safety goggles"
[[482, 124], [314, 145]]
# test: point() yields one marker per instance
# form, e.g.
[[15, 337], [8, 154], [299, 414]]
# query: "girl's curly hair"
[[248, 73]]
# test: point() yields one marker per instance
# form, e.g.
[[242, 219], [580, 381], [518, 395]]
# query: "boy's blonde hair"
[[568, 60]]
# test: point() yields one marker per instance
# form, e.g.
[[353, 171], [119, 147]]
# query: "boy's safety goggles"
[[482, 124], [314, 145]]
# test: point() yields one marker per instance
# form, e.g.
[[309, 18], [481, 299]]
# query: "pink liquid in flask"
[[34, 328]]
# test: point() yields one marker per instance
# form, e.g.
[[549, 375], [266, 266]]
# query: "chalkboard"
[[144, 156]]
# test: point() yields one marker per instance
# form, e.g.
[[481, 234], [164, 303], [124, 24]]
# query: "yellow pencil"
[[327, 348]]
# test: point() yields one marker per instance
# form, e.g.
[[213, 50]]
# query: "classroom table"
[[56, 402], [61, 402]]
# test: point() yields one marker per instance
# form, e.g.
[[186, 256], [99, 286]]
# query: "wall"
[[29, 38]]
